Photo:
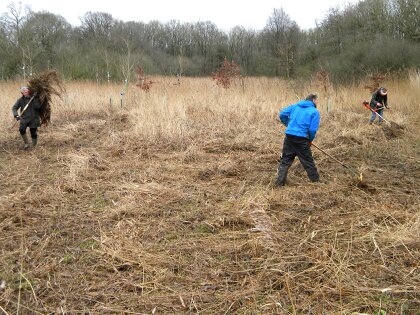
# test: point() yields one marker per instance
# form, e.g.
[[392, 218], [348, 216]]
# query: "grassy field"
[[164, 203]]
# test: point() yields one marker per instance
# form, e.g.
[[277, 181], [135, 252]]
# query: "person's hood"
[[306, 103]]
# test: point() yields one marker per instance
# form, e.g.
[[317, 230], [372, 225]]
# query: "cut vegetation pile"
[[46, 85], [107, 216]]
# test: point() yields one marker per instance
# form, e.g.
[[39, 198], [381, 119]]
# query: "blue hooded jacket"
[[301, 119]]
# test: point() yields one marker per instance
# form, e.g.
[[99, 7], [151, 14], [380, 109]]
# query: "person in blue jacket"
[[302, 122]]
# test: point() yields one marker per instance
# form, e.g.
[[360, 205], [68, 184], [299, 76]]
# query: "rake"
[[337, 160], [366, 104]]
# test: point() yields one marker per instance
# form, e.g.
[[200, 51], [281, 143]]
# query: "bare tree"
[[283, 35], [242, 43], [97, 29], [127, 62], [406, 16], [206, 37], [13, 20], [44, 38]]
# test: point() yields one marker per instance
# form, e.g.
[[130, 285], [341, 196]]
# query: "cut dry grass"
[[167, 206]]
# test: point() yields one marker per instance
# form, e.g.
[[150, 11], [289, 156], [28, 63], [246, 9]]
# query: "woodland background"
[[372, 36]]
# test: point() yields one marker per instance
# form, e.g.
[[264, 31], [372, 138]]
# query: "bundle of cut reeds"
[[47, 84]]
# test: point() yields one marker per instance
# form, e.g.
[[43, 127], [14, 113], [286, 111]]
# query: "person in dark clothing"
[[29, 106], [377, 103], [302, 122]]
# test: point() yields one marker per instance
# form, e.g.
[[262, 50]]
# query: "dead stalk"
[[289, 293]]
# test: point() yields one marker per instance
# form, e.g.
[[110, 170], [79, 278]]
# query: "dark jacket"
[[30, 117], [302, 119], [378, 100]]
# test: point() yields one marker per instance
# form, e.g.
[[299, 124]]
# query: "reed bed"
[[164, 203]]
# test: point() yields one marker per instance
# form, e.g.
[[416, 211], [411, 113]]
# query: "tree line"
[[372, 36]]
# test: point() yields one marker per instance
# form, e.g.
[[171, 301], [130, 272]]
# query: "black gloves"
[[17, 117]]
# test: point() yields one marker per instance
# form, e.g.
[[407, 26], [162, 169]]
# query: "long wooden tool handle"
[[368, 107], [330, 155], [27, 105]]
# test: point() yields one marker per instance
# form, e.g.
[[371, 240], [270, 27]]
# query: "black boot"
[[281, 176], [34, 142]]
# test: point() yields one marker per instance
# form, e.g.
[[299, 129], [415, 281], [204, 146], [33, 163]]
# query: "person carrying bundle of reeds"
[[35, 104], [29, 117]]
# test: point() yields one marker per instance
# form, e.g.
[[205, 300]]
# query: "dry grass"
[[167, 206]]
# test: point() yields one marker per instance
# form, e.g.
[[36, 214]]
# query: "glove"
[[17, 117], [310, 142]]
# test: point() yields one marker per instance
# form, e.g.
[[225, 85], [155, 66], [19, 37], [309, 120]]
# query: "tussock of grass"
[[168, 206]]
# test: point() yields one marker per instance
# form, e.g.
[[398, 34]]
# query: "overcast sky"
[[224, 13]]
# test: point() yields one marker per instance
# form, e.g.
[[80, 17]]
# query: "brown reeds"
[[168, 207]]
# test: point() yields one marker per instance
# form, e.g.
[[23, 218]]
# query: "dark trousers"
[[296, 146], [33, 131]]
